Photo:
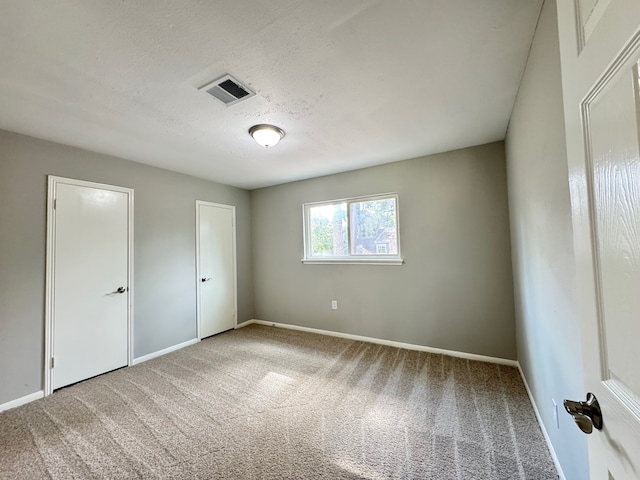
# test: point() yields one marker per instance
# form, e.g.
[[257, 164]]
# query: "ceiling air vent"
[[228, 90]]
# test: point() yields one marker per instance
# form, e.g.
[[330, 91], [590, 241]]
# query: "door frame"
[[53, 181], [234, 259]]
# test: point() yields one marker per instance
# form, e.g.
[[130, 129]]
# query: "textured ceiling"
[[353, 83]]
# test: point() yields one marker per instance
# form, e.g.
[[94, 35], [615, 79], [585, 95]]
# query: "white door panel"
[[90, 262], [216, 268], [602, 109], [616, 202], [614, 167]]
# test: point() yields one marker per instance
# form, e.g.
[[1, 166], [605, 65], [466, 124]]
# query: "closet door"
[[216, 268]]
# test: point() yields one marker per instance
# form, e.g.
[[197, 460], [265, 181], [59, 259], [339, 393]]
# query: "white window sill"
[[353, 261]]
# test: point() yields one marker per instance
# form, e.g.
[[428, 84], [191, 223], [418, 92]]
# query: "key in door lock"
[[587, 415]]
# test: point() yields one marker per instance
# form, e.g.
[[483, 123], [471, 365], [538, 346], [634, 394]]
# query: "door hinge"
[[55, 203], [53, 362]]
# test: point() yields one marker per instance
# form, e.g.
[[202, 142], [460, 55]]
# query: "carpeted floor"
[[270, 403]]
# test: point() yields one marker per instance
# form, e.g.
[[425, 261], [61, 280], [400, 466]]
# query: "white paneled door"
[[89, 243], [216, 268], [600, 51]]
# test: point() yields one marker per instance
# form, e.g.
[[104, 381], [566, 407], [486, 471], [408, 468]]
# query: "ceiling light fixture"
[[266, 135]]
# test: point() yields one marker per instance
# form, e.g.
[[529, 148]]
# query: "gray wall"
[[455, 290], [164, 252], [542, 243]]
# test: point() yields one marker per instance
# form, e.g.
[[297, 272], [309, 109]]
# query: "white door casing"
[[215, 268], [599, 55], [88, 326]]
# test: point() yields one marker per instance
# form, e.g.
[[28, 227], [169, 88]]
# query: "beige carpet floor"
[[269, 403]]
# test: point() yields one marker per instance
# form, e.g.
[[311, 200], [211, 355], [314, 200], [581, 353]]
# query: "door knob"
[[586, 414], [120, 290], [205, 279]]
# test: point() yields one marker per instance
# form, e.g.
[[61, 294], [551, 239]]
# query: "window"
[[355, 230], [382, 247]]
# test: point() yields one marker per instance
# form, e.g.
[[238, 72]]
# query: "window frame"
[[374, 259]]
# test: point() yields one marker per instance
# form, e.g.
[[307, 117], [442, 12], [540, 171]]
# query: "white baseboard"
[[164, 351], [244, 324], [22, 400], [542, 427], [390, 343]]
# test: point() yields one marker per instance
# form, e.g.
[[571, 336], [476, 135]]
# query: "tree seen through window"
[[353, 228]]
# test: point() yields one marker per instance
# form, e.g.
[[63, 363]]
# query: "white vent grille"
[[227, 90]]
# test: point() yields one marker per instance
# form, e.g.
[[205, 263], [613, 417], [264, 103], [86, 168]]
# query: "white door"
[[600, 49], [89, 296], [216, 270]]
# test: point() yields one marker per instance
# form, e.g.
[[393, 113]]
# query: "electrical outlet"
[[555, 413], [334, 304]]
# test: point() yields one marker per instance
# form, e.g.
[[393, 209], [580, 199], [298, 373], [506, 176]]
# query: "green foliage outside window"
[[369, 229]]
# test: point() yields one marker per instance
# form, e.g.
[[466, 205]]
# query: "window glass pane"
[[329, 230], [373, 227]]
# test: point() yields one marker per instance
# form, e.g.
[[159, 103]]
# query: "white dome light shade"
[[266, 135]]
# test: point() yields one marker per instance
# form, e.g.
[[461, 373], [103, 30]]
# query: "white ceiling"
[[353, 83]]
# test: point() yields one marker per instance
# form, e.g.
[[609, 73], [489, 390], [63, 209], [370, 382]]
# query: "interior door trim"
[[53, 181], [586, 22], [234, 260]]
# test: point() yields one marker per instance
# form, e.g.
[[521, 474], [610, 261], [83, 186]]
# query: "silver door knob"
[[205, 279], [120, 290], [587, 415]]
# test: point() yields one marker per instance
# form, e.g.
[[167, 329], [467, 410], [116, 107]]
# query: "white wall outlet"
[[334, 304], [555, 413]]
